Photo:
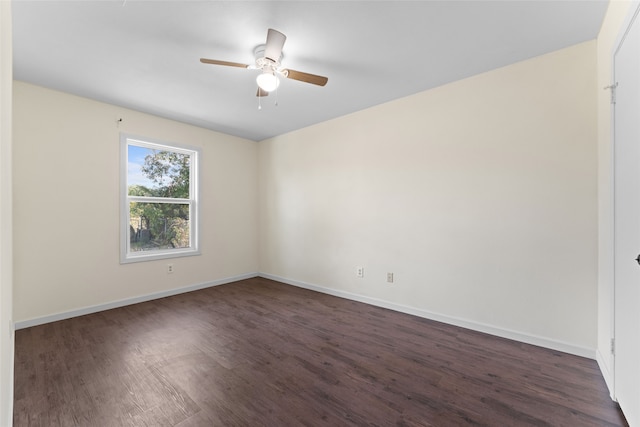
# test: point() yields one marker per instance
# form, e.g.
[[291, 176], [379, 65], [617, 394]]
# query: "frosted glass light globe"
[[267, 82]]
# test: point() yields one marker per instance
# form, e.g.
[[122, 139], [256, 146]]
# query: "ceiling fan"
[[268, 57]]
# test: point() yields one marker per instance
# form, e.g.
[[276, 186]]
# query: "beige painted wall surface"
[[66, 205], [480, 196], [607, 39]]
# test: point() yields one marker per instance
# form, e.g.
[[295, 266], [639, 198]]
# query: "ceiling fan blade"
[[227, 63], [275, 42], [262, 92], [306, 77]]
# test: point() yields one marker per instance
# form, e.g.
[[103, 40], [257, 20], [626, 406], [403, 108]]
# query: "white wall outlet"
[[360, 272], [169, 268], [389, 277]]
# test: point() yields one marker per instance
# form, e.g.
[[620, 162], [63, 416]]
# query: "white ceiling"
[[145, 55]]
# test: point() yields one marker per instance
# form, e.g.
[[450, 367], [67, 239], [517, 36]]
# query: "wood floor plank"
[[259, 352]]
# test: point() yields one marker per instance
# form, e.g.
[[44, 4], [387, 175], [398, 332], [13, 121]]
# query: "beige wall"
[[607, 39], [66, 205], [480, 196], [6, 248]]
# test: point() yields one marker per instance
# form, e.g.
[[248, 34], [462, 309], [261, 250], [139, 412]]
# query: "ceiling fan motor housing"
[[262, 62]]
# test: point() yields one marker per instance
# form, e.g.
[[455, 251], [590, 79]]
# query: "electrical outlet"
[[389, 277], [169, 268], [360, 272]]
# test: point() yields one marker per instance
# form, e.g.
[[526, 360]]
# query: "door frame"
[[632, 14]]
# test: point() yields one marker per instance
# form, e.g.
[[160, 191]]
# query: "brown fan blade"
[[227, 63], [275, 42], [262, 92], [306, 77]]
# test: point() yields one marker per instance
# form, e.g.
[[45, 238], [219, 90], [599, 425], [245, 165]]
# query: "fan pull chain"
[[259, 103], [276, 103]]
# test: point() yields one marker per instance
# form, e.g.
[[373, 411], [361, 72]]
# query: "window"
[[159, 210]]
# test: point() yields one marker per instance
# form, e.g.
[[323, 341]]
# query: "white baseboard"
[[606, 373], [128, 301], [464, 323], [468, 324]]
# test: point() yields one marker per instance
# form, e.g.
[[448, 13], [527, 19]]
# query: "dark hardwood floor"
[[261, 353]]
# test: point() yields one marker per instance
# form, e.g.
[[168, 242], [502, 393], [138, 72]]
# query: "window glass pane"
[[157, 173], [154, 226]]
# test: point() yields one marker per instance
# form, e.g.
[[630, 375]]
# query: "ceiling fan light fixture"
[[267, 81], [268, 57]]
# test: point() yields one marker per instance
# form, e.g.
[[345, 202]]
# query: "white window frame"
[[126, 255]]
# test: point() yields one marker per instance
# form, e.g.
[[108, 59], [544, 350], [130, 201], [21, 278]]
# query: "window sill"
[[156, 255]]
